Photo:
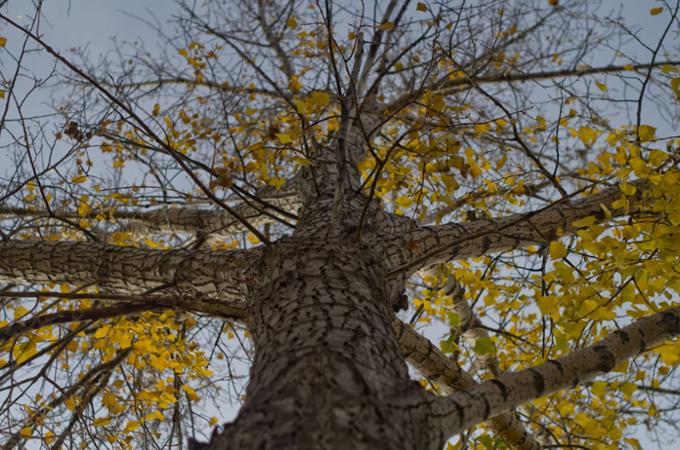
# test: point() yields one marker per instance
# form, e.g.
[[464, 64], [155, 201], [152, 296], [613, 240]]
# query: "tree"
[[281, 179]]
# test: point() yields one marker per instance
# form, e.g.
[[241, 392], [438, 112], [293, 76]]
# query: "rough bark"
[[327, 360], [211, 277], [434, 364], [466, 408], [424, 246]]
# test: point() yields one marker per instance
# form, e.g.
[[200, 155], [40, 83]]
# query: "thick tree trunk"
[[327, 360]]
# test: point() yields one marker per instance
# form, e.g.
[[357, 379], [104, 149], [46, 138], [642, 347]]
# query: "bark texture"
[[424, 246], [211, 277], [466, 408], [327, 360]]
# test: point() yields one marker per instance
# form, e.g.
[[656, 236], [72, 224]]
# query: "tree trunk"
[[327, 360]]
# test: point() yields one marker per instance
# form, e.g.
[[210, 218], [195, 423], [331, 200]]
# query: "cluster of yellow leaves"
[[156, 348], [610, 269]]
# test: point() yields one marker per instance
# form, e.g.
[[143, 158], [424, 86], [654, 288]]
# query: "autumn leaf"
[[484, 346], [79, 179], [557, 250], [675, 86], [284, 138]]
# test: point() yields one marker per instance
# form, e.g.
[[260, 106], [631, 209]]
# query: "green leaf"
[[454, 319], [484, 346]]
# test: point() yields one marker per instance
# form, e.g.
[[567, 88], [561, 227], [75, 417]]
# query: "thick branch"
[[169, 219], [434, 364], [221, 276], [424, 246], [464, 409]]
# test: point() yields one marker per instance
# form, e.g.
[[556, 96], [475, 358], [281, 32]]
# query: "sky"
[[95, 25]]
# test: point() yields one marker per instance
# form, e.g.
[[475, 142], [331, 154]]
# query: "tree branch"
[[424, 246], [221, 276], [169, 219], [463, 409]]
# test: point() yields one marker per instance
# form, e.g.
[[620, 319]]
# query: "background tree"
[[280, 179]]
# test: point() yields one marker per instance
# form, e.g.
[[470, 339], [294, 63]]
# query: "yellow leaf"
[[386, 26], [557, 250], [121, 238], [627, 188], [26, 432], [300, 160], [191, 394], [404, 201], [669, 353], [83, 206], [675, 86], [19, 312], [598, 388], [421, 7], [3, 41], [156, 109], [79, 179], [277, 182], [70, 403], [585, 222], [656, 11], [588, 135], [109, 400], [633, 443], [213, 421], [587, 307], [482, 128], [292, 22], [49, 437], [657, 157], [646, 132], [131, 426], [294, 84], [2, 93], [102, 332], [320, 99], [101, 421], [548, 305], [284, 138], [601, 86], [628, 388], [156, 415]]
